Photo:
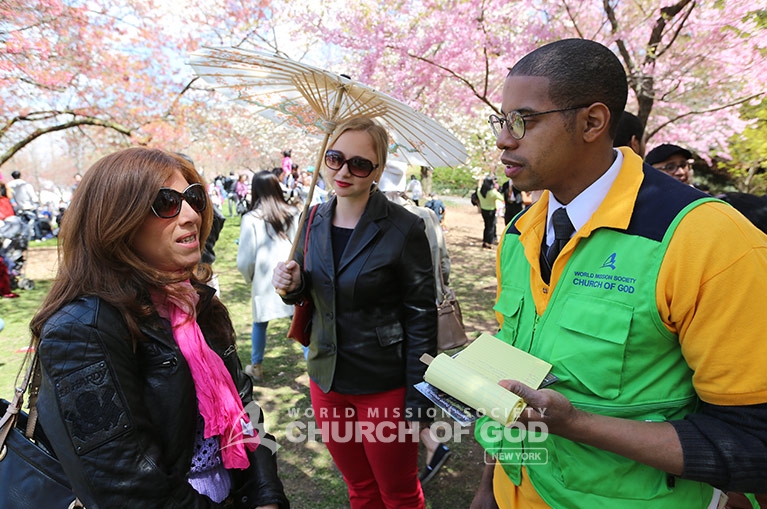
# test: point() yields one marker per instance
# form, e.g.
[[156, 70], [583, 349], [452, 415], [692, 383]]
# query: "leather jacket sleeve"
[[420, 319], [101, 432], [93, 407]]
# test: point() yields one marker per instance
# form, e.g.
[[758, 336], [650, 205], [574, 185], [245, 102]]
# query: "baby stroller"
[[15, 233]]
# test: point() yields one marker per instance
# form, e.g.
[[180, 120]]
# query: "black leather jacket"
[[375, 314], [122, 422]]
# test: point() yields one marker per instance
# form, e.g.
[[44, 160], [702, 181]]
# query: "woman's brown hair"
[[96, 256]]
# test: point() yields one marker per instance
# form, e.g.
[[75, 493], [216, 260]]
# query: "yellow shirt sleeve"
[[712, 292]]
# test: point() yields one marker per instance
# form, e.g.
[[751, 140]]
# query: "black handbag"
[[30, 475]]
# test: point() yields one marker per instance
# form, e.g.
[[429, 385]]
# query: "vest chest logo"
[[604, 281], [609, 262]]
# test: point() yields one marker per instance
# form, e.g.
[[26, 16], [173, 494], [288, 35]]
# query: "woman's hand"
[[286, 277]]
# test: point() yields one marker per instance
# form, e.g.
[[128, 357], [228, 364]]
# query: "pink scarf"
[[217, 397]]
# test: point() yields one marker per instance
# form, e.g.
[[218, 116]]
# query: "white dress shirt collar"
[[587, 202]]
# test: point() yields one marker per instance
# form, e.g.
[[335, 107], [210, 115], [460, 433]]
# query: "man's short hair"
[[628, 127], [16, 174], [579, 72]]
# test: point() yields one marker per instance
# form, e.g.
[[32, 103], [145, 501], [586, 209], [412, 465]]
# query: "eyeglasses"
[[358, 166], [168, 201], [515, 121], [672, 167]]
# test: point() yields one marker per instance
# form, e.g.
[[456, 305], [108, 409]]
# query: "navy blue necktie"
[[563, 230]]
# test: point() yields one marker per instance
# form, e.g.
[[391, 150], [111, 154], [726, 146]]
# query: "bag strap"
[[308, 227], [443, 286], [14, 407], [32, 392]]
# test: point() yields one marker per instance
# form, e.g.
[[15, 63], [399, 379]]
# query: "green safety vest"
[[608, 346]]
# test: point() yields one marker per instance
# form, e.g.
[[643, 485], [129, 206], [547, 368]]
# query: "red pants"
[[372, 445]]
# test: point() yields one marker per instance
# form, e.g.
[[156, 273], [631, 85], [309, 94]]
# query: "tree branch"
[[60, 127], [703, 112], [455, 75], [572, 18]]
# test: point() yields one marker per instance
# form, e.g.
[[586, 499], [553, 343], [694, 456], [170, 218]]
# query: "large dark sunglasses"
[[358, 166], [168, 201]]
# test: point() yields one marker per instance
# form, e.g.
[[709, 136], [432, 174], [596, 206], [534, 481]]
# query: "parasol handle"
[[320, 157], [308, 202]]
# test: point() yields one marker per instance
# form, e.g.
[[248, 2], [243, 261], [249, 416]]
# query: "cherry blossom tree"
[[114, 73], [690, 63]]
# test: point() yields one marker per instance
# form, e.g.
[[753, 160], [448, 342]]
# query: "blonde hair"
[[376, 131]]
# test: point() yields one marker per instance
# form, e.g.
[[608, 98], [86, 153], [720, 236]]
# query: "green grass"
[[311, 480]]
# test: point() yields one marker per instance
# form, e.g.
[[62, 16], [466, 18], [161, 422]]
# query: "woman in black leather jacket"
[[369, 274], [142, 392]]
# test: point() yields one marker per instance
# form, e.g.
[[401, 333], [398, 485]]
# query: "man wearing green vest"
[[647, 297]]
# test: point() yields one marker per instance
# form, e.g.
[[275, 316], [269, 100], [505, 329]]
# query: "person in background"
[[230, 197], [414, 189], [513, 201], [438, 206], [142, 394], [22, 194], [266, 235], [241, 192], [392, 184], [208, 253], [319, 195], [672, 160], [77, 178], [630, 134], [488, 197], [287, 165], [375, 315], [752, 206], [615, 277], [6, 208]]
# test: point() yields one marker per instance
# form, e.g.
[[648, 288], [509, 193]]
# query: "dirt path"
[[472, 267], [41, 262]]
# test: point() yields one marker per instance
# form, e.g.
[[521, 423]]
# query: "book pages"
[[472, 376]]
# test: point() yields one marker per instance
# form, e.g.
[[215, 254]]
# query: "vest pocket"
[[510, 305], [589, 470], [591, 346]]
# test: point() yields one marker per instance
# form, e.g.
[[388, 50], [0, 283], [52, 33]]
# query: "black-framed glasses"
[[672, 167], [358, 166], [515, 121], [168, 201]]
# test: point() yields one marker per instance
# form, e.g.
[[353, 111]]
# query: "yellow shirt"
[[712, 293]]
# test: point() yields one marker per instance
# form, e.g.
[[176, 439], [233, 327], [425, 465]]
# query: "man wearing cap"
[[672, 160]]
